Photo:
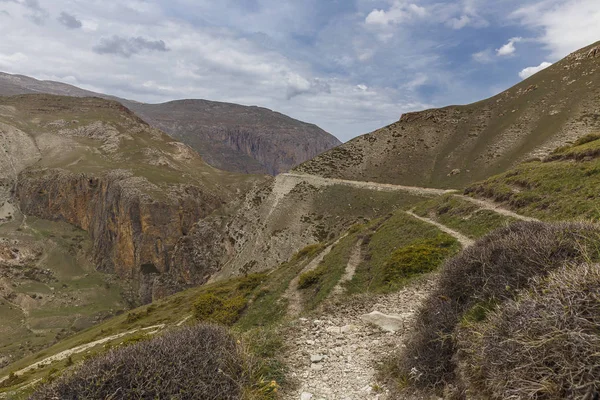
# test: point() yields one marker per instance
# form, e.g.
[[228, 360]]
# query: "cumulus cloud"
[[70, 21], [565, 25], [529, 71], [399, 12], [126, 47], [509, 48]]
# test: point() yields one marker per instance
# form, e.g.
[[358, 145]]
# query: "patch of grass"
[[308, 252], [418, 258], [462, 216], [319, 283], [225, 304], [566, 186], [398, 249], [310, 278]]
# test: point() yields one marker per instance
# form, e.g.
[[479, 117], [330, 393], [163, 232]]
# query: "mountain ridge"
[[247, 139]]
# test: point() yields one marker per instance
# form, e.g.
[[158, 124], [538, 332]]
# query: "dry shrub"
[[488, 273], [201, 362], [547, 342]]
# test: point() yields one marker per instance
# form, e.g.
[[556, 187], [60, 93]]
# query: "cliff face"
[[134, 189], [238, 138], [133, 234]]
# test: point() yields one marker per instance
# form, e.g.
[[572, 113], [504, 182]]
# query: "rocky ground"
[[334, 355]]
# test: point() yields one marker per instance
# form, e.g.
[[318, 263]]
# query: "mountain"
[[228, 136], [456, 145], [336, 275], [94, 164]]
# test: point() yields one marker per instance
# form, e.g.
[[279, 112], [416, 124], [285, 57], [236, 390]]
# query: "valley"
[[386, 267]]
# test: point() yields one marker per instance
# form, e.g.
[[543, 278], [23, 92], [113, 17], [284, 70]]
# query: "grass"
[[566, 186], [462, 216], [397, 249], [70, 297], [257, 322], [316, 285]]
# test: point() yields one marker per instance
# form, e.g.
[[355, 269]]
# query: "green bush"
[[547, 339], [490, 272], [210, 307], [416, 259], [308, 251], [310, 278]]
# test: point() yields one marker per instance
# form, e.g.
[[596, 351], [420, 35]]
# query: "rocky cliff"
[[97, 166], [133, 233]]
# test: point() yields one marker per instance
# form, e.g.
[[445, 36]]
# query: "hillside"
[[230, 137], [457, 145], [363, 273]]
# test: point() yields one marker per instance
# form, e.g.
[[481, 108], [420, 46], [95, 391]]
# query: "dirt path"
[[320, 181], [353, 263], [335, 356], [464, 241], [84, 347], [490, 205], [292, 294]]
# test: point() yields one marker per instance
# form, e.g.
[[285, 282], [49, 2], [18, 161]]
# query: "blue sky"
[[350, 66]]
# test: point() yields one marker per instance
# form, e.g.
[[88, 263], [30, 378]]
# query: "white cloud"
[[527, 72], [509, 48], [566, 25], [398, 13]]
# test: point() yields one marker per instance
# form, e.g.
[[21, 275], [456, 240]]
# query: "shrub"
[[491, 271], [210, 307], [548, 340], [201, 362], [308, 251], [310, 278], [416, 259], [587, 139]]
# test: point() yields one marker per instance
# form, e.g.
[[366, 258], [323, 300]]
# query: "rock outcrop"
[[133, 233]]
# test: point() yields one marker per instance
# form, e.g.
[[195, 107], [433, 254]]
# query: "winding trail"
[[464, 240], [490, 205], [84, 347], [385, 187], [292, 293]]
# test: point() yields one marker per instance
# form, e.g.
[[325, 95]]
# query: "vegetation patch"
[[225, 304], [420, 257], [398, 249], [566, 186], [462, 216], [492, 271], [547, 339]]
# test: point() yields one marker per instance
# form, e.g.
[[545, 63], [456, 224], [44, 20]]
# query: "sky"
[[349, 66]]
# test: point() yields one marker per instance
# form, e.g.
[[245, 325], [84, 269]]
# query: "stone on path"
[[389, 323], [306, 396]]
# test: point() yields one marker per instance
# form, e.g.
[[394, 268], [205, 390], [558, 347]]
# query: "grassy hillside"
[[563, 186], [255, 306], [457, 145]]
